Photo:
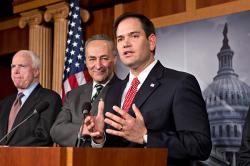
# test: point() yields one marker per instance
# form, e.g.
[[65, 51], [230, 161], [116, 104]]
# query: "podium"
[[69, 156]]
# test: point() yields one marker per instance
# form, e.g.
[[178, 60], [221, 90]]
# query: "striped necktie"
[[98, 88], [14, 110]]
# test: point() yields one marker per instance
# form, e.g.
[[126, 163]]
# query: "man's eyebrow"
[[21, 65], [130, 33], [91, 56], [17, 64], [104, 56], [134, 32]]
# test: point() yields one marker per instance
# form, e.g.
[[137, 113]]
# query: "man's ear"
[[36, 73], [152, 42]]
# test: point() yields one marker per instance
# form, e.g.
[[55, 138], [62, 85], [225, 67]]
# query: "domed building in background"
[[227, 100]]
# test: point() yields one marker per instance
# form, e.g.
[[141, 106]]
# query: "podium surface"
[[58, 156]]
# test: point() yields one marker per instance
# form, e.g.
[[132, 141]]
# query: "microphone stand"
[[85, 112], [13, 129], [80, 137]]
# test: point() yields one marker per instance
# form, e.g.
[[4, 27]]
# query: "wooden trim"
[[119, 9], [202, 13], [69, 156], [7, 24], [33, 4], [85, 16], [190, 5]]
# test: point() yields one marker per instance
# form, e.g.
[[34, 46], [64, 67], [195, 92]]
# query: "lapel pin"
[[152, 85]]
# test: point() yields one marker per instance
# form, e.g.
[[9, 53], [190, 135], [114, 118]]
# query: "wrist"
[[98, 144], [145, 138], [99, 139]]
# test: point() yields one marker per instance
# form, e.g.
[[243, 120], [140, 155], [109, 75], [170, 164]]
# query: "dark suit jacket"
[[35, 131], [174, 113], [66, 127], [244, 153]]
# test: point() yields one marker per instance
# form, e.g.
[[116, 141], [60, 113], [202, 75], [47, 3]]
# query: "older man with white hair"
[[27, 116]]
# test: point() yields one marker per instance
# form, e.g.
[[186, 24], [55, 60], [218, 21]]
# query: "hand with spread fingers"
[[128, 127], [94, 125]]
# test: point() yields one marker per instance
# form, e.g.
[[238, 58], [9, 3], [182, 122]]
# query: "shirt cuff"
[[97, 145], [145, 139]]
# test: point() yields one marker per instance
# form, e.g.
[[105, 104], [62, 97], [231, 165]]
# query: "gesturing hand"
[[94, 125], [128, 127]]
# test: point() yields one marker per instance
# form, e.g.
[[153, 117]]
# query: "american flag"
[[75, 71]]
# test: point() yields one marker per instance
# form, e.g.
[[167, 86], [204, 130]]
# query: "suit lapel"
[[105, 89], [149, 86], [86, 95], [102, 95], [27, 108], [5, 111], [121, 89]]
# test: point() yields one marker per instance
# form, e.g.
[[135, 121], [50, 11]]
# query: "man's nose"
[[126, 43], [98, 64], [15, 70]]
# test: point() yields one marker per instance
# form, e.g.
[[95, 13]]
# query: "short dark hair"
[[147, 25]]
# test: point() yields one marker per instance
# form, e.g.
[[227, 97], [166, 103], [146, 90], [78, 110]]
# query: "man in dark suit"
[[244, 153], [25, 71], [154, 106], [100, 59]]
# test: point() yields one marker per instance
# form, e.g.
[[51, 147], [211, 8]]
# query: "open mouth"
[[128, 52]]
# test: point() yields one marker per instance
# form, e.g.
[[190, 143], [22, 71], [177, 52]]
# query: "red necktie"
[[130, 94], [14, 110]]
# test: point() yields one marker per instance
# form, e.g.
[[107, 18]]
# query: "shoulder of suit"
[[169, 71], [114, 80], [175, 73], [48, 92], [80, 89]]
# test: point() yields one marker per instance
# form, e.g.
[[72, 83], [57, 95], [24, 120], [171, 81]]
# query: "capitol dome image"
[[227, 99]]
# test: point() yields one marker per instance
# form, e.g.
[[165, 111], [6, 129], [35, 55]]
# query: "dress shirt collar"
[[94, 89], [143, 75], [28, 91], [94, 83]]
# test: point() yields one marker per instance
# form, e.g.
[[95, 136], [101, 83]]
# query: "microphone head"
[[86, 107], [42, 106]]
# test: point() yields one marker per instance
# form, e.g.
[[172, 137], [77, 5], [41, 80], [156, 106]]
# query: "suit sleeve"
[[47, 118], [244, 153], [191, 137], [64, 131]]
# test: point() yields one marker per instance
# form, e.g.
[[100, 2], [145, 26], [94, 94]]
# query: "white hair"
[[36, 63]]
